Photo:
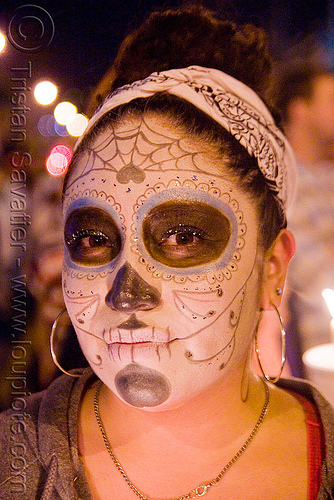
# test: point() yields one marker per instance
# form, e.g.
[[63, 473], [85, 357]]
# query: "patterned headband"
[[232, 104]]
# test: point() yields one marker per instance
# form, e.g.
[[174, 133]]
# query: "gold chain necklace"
[[200, 490]]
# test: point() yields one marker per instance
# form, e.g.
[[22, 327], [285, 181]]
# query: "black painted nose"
[[130, 292]]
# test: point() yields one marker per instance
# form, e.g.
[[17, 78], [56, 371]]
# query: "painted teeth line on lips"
[[123, 352], [125, 336]]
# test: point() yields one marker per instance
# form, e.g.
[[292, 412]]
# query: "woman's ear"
[[277, 259]]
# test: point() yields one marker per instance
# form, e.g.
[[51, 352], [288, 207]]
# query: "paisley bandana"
[[232, 104]]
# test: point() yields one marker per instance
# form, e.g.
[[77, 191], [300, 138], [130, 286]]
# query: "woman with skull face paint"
[[175, 242]]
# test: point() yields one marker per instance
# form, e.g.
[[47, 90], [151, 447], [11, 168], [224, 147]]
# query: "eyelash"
[[83, 233], [199, 233]]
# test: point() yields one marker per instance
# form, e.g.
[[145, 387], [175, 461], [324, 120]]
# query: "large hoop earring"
[[257, 350], [53, 354]]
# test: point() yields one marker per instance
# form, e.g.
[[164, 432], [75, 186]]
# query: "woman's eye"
[[182, 236], [186, 234], [88, 245], [88, 238]]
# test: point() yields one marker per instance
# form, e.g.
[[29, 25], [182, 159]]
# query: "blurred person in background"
[[44, 299], [44, 272], [8, 156], [303, 92], [6, 259]]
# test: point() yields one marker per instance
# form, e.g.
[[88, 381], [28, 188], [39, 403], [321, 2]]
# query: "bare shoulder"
[[286, 408], [282, 394], [284, 443], [286, 420]]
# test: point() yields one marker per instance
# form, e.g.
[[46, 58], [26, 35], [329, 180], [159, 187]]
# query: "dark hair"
[[296, 81], [194, 36], [191, 35]]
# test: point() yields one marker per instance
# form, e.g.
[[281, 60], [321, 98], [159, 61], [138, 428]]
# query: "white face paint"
[[160, 275]]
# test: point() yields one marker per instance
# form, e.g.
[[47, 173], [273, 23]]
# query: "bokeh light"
[[60, 129], [77, 125], [328, 295], [58, 160], [45, 92], [2, 41], [64, 112], [47, 125], [50, 126]]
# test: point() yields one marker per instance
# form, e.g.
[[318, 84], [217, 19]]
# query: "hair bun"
[[192, 35]]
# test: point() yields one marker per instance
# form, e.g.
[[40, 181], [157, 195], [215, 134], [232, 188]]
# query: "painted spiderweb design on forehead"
[[137, 148]]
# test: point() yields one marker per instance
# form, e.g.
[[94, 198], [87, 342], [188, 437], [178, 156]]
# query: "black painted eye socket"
[[184, 234], [92, 237]]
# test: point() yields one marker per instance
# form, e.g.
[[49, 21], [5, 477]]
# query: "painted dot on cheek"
[[140, 386]]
